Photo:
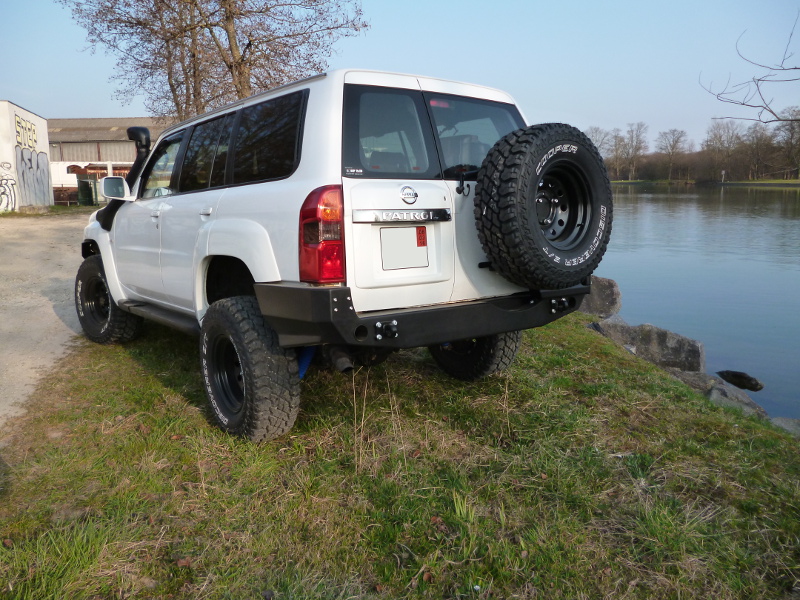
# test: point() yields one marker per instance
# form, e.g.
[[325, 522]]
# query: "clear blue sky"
[[584, 62]]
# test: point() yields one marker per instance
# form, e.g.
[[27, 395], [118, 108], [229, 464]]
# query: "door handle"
[[206, 212], [155, 214]]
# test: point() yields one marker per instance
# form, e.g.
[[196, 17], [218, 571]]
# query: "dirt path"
[[38, 260]]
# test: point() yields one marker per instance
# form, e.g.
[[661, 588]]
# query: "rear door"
[[466, 128], [184, 215], [399, 227]]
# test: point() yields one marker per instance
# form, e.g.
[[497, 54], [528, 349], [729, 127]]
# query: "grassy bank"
[[581, 473]]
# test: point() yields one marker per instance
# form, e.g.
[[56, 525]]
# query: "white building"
[[24, 159], [89, 149]]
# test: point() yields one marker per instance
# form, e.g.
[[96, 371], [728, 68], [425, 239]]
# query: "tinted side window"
[[267, 142], [387, 134], [467, 128], [201, 168], [158, 173]]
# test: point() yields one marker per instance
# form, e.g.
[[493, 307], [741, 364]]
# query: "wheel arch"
[[234, 254]]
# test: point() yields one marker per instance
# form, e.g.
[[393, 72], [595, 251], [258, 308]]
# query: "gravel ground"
[[40, 256]]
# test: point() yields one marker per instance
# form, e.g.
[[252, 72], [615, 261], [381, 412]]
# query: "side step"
[[175, 320]]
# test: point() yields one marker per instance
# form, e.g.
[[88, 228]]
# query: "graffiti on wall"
[[33, 177], [33, 168], [26, 133], [8, 188]]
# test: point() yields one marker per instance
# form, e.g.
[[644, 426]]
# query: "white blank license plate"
[[404, 247]]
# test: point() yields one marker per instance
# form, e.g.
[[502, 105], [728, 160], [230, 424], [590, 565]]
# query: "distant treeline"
[[732, 151]]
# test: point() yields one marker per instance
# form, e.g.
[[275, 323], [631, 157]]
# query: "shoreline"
[[789, 184]]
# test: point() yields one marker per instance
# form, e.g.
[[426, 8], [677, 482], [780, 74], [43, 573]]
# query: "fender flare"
[[97, 236], [226, 237]]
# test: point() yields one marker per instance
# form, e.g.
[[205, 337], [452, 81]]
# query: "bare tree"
[[634, 146], [187, 56], [672, 143], [788, 139], [723, 139], [759, 145], [603, 139], [616, 155], [754, 93]]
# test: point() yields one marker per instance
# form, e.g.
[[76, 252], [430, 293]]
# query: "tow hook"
[[386, 330], [558, 305]]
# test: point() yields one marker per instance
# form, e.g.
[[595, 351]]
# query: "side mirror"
[[115, 188]]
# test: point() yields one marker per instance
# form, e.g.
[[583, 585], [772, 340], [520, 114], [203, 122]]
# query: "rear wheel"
[[475, 358], [100, 317], [252, 384]]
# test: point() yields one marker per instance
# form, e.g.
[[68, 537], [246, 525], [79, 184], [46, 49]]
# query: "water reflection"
[[720, 265]]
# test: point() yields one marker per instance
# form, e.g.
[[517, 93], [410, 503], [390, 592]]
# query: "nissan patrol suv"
[[353, 214]]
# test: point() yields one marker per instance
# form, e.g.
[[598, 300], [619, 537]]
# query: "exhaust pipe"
[[340, 358]]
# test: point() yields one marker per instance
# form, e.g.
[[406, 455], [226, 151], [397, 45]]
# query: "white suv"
[[354, 212]]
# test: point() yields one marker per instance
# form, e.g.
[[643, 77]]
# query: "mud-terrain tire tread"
[[476, 358], [269, 373], [92, 300], [512, 242]]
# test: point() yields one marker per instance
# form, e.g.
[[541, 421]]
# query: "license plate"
[[404, 247]]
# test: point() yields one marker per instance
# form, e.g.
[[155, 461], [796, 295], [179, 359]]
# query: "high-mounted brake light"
[[322, 236]]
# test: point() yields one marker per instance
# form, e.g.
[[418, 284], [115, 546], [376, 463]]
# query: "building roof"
[[101, 130]]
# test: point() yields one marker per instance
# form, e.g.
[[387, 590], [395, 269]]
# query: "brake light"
[[322, 236]]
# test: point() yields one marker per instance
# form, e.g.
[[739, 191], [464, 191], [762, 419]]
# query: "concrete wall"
[[24, 159]]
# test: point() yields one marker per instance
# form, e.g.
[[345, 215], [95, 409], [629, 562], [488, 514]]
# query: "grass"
[[582, 472]]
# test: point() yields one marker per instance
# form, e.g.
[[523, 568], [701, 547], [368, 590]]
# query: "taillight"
[[322, 236]]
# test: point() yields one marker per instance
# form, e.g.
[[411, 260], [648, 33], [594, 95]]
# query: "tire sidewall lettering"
[[568, 148], [211, 390], [580, 259]]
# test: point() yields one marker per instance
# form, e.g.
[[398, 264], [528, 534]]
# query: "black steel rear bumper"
[[306, 316]]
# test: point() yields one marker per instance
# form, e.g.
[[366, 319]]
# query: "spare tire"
[[543, 206]]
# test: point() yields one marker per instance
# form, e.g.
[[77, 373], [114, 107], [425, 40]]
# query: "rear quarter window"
[[267, 140]]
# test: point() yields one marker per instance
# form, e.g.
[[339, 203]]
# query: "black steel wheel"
[[100, 317]]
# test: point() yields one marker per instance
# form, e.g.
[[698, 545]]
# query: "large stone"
[[605, 299], [741, 380], [787, 424], [697, 380], [732, 397], [658, 346]]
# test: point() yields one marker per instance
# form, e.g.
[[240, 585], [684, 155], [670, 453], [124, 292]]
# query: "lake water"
[[720, 265]]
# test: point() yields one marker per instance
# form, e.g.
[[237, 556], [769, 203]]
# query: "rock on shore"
[[680, 356]]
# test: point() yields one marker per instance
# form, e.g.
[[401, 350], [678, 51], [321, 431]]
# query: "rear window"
[[388, 133], [467, 128]]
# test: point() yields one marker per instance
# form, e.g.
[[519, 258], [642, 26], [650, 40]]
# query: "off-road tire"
[[252, 384], [476, 358], [102, 320], [543, 206]]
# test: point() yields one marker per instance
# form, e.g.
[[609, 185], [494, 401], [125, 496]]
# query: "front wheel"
[[252, 384], [102, 320], [476, 358]]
